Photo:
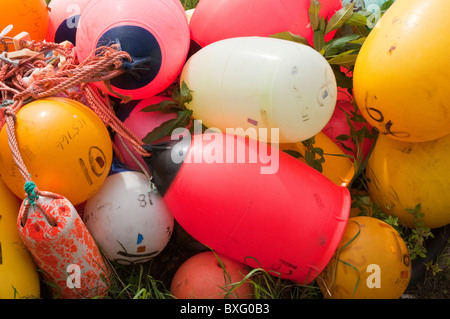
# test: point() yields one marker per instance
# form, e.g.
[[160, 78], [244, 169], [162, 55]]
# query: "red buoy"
[[268, 210]]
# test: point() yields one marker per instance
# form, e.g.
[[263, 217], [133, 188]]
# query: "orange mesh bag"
[[62, 247]]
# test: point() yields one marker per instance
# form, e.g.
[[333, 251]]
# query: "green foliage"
[[352, 28], [189, 4], [180, 96], [417, 235], [313, 155]]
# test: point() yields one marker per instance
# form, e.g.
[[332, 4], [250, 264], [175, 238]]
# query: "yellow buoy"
[[337, 167], [371, 262], [64, 145], [402, 175], [401, 78], [18, 275]]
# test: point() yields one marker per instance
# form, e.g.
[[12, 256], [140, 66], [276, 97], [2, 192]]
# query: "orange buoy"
[[372, 262], [210, 276], [26, 16], [64, 145]]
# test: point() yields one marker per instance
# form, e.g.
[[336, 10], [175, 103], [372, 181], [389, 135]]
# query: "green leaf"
[[318, 40], [364, 31], [342, 80], [343, 137], [163, 106], [345, 60], [357, 19], [385, 6], [185, 91], [340, 17], [318, 150], [335, 45], [314, 14], [319, 36], [359, 41], [290, 37], [166, 128], [182, 95]]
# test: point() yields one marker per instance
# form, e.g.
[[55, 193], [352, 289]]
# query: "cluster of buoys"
[[410, 109], [233, 187]]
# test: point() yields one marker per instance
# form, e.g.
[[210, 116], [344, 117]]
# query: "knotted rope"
[[31, 78]]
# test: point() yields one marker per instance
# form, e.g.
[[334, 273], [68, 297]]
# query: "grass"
[[151, 280]]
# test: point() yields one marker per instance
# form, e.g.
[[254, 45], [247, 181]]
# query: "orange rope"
[[17, 87]]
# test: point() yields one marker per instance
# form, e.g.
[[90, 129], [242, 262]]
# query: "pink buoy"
[[155, 34], [215, 20], [267, 210], [64, 16], [62, 247], [140, 123]]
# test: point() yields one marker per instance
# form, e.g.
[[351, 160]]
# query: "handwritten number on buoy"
[[377, 116], [71, 133], [283, 267], [143, 200], [97, 163]]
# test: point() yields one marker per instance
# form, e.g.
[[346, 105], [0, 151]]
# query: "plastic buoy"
[[261, 83], [29, 16], [215, 20], [402, 175], [64, 145], [264, 219], [207, 275], [372, 262], [392, 83], [64, 16], [154, 33], [18, 275], [140, 123], [130, 223], [62, 247]]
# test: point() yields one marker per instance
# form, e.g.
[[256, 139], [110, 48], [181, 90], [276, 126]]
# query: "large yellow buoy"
[[401, 78], [372, 262], [26, 15], [65, 147], [18, 275], [402, 175], [337, 167]]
